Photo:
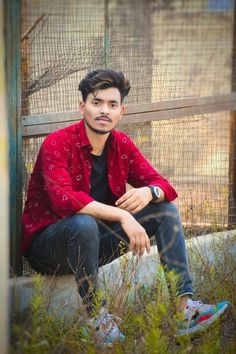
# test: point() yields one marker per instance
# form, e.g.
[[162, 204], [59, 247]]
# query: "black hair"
[[103, 79]]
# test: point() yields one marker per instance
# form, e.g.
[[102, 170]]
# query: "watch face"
[[156, 192]]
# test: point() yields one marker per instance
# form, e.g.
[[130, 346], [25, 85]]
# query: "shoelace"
[[195, 305], [108, 319]]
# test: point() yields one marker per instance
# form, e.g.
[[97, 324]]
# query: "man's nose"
[[105, 109]]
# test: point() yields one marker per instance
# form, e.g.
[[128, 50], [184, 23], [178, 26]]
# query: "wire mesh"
[[168, 49], [192, 152], [61, 41]]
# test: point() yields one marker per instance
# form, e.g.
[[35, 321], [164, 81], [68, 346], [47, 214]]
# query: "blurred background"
[[180, 57]]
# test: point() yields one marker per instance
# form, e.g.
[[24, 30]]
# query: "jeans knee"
[[171, 208], [167, 211], [84, 227]]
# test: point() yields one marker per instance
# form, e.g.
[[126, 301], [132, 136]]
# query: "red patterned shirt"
[[60, 182]]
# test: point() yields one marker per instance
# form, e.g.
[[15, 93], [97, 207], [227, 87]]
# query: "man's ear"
[[81, 107]]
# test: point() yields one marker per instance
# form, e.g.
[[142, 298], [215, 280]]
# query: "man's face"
[[102, 110]]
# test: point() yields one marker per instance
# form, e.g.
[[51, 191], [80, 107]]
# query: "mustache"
[[103, 117]]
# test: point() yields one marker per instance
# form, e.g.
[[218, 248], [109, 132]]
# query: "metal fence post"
[[13, 75], [4, 206]]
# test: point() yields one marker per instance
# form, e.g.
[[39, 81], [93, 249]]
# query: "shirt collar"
[[84, 141]]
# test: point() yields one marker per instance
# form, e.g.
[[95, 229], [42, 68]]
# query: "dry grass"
[[148, 318]]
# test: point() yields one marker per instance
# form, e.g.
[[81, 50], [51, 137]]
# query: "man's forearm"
[[104, 212], [138, 238]]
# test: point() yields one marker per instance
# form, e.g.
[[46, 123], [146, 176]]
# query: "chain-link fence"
[[169, 50]]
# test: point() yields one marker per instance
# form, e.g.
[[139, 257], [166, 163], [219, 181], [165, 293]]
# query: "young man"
[[77, 207]]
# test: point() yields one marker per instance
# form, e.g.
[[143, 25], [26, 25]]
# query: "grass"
[[148, 317]]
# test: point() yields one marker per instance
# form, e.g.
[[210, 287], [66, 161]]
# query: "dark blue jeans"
[[80, 244]]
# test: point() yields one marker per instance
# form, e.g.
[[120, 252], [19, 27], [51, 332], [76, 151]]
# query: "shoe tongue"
[[103, 311], [189, 303], [190, 307], [194, 306]]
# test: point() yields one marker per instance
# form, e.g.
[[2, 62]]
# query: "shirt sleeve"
[[142, 173], [64, 199]]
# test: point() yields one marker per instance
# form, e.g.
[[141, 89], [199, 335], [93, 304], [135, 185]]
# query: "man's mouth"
[[104, 119]]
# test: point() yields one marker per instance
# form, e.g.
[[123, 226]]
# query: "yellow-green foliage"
[[149, 320]]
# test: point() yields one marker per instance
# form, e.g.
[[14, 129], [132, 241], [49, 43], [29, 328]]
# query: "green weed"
[[148, 318]]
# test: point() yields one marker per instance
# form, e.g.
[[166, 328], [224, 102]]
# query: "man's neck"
[[97, 141]]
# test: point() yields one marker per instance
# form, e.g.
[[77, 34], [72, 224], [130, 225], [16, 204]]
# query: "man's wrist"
[[155, 192], [124, 216], [150, 193]]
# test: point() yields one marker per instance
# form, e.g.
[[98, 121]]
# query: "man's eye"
[[114, 105], [96, 103]]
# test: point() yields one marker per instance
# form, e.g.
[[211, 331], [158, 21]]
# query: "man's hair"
[[103, 79]]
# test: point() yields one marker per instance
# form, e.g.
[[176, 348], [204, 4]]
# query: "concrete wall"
[[119, 279]]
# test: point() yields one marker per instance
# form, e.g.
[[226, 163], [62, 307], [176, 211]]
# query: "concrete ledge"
[[61, 292]]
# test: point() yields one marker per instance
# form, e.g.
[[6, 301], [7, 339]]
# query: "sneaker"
[[106, 329], [198, 316]]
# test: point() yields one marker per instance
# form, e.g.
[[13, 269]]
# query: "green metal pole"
[[4, 205], [13, 79]]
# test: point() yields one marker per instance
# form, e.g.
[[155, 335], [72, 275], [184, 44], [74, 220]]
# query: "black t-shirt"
[[99, 180]]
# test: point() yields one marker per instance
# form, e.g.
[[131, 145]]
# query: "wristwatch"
[[155, 192]]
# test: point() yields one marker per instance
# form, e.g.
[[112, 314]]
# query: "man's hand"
[[139, 240], [135, 199]]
